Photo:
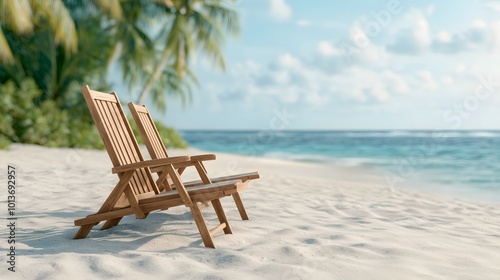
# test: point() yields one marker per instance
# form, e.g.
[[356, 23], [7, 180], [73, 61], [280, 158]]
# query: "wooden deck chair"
[[157, 150], [136, 192]]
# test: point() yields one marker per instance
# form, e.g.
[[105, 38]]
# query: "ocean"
[[464, 163]]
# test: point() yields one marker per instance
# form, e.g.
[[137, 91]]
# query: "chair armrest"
[[190, 162], [203, 157], [194, 159], [150, 163]]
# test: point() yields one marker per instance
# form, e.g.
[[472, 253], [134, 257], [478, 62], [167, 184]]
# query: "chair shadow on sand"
[[130, 235]]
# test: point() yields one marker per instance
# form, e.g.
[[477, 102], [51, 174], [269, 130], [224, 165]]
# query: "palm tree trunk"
[[156, 74]]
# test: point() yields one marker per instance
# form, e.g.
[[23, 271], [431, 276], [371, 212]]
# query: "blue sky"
[[352, 65]]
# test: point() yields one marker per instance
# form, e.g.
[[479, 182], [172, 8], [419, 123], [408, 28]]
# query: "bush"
[[170, 137], [23, 119]]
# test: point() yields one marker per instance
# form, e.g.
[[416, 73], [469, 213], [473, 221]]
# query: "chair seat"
[[243, 177], [223, 188]]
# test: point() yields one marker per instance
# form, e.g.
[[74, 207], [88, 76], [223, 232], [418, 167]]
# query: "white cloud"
[[356, 49], [367, 52], [378, 91], [292, 80], [288, 61], [280, 10], [479, 36], [479, 24], [448, 80], [303, 23], [286, 80], [414, 35], [332, 74], [460, 68], [326, 49], [395, 83], [443, 37], [495, 29], [493, 5], [367, 85], [320, 24], [330, 59], [430, 9], [426, 80]]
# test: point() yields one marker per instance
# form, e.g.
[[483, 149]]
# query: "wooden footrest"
[[217, 229]]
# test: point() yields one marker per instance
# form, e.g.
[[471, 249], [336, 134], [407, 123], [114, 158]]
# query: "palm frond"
[[60, 22], [205, 27], [137, 51], [225, 15], [113, 7], [171, 84], [17, 15], [166, 3], [208, 37]]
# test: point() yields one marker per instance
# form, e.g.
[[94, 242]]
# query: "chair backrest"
[[148, 130], [118, 137]]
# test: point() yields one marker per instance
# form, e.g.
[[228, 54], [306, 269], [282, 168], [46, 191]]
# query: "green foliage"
[[170, 137], [24, 120], [58, 75], [27, 121], [4, 142]]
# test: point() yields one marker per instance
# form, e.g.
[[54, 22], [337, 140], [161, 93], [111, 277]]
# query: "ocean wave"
[[297, 157]]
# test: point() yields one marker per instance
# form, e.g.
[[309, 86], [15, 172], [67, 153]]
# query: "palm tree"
[[194, 24]]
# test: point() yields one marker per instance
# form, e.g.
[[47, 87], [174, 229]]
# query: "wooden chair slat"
[[149, 131], [155, 137], [117, 130], [154, 140], [124, 154], [116, 157]]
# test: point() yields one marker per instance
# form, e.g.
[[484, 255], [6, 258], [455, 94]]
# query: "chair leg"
[[202, 226], [221, 215], [239, 204], [111, 223], [83, 231]]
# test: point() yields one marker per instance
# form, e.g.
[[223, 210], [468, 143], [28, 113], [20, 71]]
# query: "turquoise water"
[[464, 162]]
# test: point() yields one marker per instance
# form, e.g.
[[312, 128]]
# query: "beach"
[[307, 221]]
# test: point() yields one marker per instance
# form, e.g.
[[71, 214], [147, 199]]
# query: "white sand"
[[304, 225]]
